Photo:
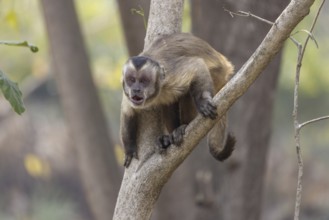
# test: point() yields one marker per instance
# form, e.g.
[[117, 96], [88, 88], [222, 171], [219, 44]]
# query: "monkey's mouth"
[[137, 100]]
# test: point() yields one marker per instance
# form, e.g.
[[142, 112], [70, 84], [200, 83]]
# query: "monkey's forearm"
[[129, 135], [202, 93]]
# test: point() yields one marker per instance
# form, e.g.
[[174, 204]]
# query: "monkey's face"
[[141, 81]]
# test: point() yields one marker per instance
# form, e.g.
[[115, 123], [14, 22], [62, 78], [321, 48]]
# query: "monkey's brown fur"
[[179, 73]]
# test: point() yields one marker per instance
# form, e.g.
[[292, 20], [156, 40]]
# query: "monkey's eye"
[[144, 81], [131, 79]]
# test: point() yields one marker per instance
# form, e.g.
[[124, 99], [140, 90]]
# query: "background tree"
[[251, 116], [82, 108]]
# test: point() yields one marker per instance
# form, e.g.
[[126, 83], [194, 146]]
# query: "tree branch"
[[313, 120], [144, 179], [248, 14]]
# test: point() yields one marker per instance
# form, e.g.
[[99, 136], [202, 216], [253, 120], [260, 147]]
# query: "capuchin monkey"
[[178, 74]]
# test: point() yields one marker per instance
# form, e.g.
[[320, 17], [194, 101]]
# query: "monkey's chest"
[[173, 94]]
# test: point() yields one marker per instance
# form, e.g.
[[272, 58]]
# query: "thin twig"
[[297, 125], [298, 45], [297, 133], [248, 14], [310, 34], [313, 120], [33, 48]]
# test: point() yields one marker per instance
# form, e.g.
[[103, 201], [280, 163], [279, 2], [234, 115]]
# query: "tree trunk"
[[82, 109], [251, 116], [144, 178], [133, 24]]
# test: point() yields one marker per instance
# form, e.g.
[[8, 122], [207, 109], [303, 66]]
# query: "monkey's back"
[[171, 48]]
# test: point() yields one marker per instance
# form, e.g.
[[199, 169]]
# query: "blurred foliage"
[[119, 154], [11, 18], [36, 166], [16, 23], [52, 205], [9, 88], [104, 39]]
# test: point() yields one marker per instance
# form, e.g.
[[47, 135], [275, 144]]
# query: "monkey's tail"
[[226, 151], [221, 144]]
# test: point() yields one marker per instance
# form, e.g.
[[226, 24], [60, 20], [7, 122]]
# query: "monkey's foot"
[[176, 138], [208, 109], [177, 135], [128, 158]]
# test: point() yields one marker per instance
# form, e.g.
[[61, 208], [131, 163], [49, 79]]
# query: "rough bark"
[[165, 18], [251, 116], [145, 177], [133, 24], [82, 109]]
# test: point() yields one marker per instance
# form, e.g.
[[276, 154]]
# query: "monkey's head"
[[141, 81]]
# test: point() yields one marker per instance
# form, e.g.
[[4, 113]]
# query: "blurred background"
[[41, 160]]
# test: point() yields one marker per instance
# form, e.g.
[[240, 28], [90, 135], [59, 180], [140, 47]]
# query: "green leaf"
[[12, 93], [33, 48]]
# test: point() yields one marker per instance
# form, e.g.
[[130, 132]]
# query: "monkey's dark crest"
[[138, 61], [178, 74]]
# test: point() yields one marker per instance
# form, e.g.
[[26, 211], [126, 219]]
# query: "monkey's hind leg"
[[221, 144], [173, 125]]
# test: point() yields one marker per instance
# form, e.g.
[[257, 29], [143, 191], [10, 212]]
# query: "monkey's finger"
[[127, 161], [177, 139], [210, 111], [213, 114], [178, 135], [135, 155], [129, 156]]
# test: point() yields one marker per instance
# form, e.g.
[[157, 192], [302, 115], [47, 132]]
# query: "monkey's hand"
[[129, 156], [176, 138], [207, 108]]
